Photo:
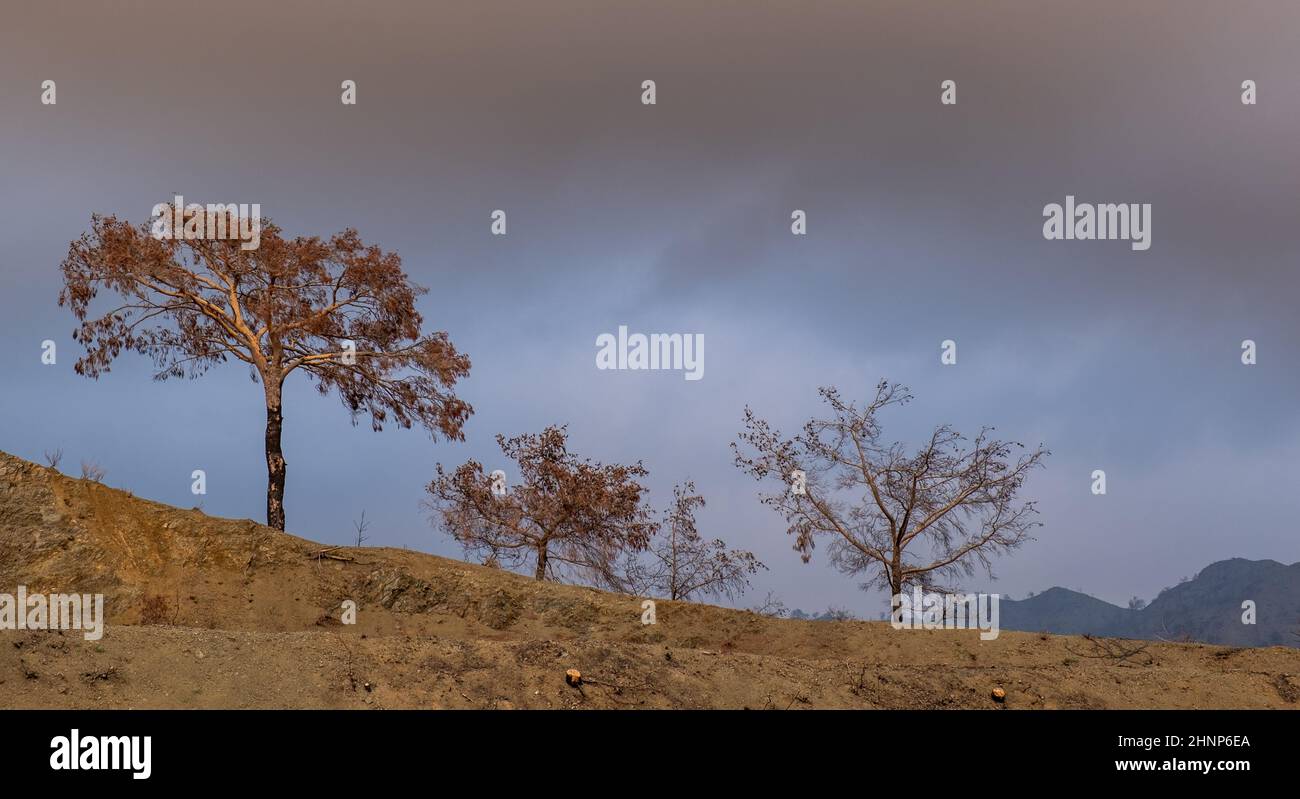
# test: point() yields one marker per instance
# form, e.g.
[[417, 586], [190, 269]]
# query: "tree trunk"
[[540, 574], [275, 465]]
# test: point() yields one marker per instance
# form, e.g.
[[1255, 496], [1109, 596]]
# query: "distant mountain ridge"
[[1207, 609]]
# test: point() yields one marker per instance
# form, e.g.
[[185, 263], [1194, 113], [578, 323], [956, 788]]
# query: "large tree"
[[340, 311], [900, 518], [558, 514]]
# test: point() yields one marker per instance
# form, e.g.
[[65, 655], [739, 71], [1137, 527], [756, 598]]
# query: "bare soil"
[[221, 613]]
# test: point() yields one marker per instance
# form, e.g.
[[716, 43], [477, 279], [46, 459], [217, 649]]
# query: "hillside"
[[1206, 609], [208, 612], [1065, 612]]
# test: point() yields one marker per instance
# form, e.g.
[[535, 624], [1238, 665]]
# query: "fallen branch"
[[328, 553], [1112, 649]]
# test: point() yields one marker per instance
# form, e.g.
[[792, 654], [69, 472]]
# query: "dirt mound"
[[208, 612]]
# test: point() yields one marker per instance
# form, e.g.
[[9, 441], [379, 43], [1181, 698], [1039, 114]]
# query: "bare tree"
[[361, 527], [900, 519], [564, 517], [772, 607], [92, 471], [53, 458], [341, 311], [681, 564]]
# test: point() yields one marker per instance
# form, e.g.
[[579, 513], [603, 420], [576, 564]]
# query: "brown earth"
[[222, 613]]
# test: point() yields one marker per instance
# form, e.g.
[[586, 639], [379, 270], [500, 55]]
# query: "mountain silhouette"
[[1207, 608]]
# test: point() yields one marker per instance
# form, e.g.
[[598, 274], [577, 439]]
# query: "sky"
[[924, 225]]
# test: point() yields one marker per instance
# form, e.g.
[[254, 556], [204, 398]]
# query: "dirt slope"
[[248, 618]]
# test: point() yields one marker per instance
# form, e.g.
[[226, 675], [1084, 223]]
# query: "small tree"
[[564, 517], [361, 527], [341, 311], [899, 518], [681, 564], [772, 607], [92, 471]]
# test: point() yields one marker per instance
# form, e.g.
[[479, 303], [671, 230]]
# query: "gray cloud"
[[924, 224]]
